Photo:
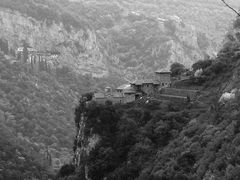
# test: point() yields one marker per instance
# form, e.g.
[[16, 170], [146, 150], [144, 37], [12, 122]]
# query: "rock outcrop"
[[124, 38], [79, 48]]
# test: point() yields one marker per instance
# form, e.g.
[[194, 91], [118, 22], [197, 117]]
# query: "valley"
[[100, 43]]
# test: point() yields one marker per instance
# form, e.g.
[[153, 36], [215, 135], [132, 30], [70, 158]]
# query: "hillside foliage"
[[36, 109], [163, 140], [15, 164]]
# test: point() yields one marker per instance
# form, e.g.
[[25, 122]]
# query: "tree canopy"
[[177, 69]]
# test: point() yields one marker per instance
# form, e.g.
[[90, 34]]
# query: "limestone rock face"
[[130, 39], [79, 48]]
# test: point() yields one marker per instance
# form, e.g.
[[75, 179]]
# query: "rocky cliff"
[[125, 38], [142, 36], [169, 140], [79, 48]]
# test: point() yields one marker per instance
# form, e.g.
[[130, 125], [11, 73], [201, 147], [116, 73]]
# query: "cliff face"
[[126, 38], [142, 36], [174, 140], [79, 48]]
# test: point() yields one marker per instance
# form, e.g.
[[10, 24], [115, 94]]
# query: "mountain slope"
[[127, 39], [15, 163], [46, 26], [142, 36], [36, 109], [167, 140]]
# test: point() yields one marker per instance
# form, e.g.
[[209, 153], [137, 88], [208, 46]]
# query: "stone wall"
[[171, 98], [100, 100], [116, 100], [163, 78], [129, 98], [179, 92]]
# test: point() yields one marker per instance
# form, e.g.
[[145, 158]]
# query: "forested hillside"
[[166, 140], [143, 36], [36, 109], [104, 43], [109, 39], [15, 163]]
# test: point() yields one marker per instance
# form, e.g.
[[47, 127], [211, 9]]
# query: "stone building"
[[150, 87], [130, 92], [99, 97], [123, 94], [145, 87], [38, 60], [163, 78]]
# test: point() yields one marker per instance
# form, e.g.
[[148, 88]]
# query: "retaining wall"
[[171, 98], [178, 92]]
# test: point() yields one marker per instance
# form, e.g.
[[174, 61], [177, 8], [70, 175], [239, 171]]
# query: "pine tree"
[[25, 52]]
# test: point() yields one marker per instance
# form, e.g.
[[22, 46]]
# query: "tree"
[[4, 46], [25, 51], [89, 96], [66, 170], [177, 69], [202, 64]]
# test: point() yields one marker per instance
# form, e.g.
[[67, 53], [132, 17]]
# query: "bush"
[[66, 170], [202, 64], [218, 67], [177, 69], [236, 24]]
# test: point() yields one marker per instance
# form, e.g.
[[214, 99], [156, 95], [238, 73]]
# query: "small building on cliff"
[[37, 60], [123, 94], [130, 92], [163, 78], [150, 87]]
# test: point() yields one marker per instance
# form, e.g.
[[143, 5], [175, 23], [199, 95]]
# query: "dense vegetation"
[[121, 38], [131, 135], [15, 164], [143, 36], [171, 141], [44, 10], [36, 109], [159, 140]]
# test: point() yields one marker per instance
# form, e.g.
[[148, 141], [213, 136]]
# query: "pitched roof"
[[147, 81], [30, 49], [163, 71], [117, 95], [123, 87], [129, 90], [99, 95]]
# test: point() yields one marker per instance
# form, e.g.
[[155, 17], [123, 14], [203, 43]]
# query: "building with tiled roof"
[[130, 92], [150, 87], [123, 87]]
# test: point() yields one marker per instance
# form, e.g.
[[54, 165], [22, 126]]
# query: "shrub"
[[66, 170], [108, 103], [218, 67], [236, 24], [202, 64], [176, 69]]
